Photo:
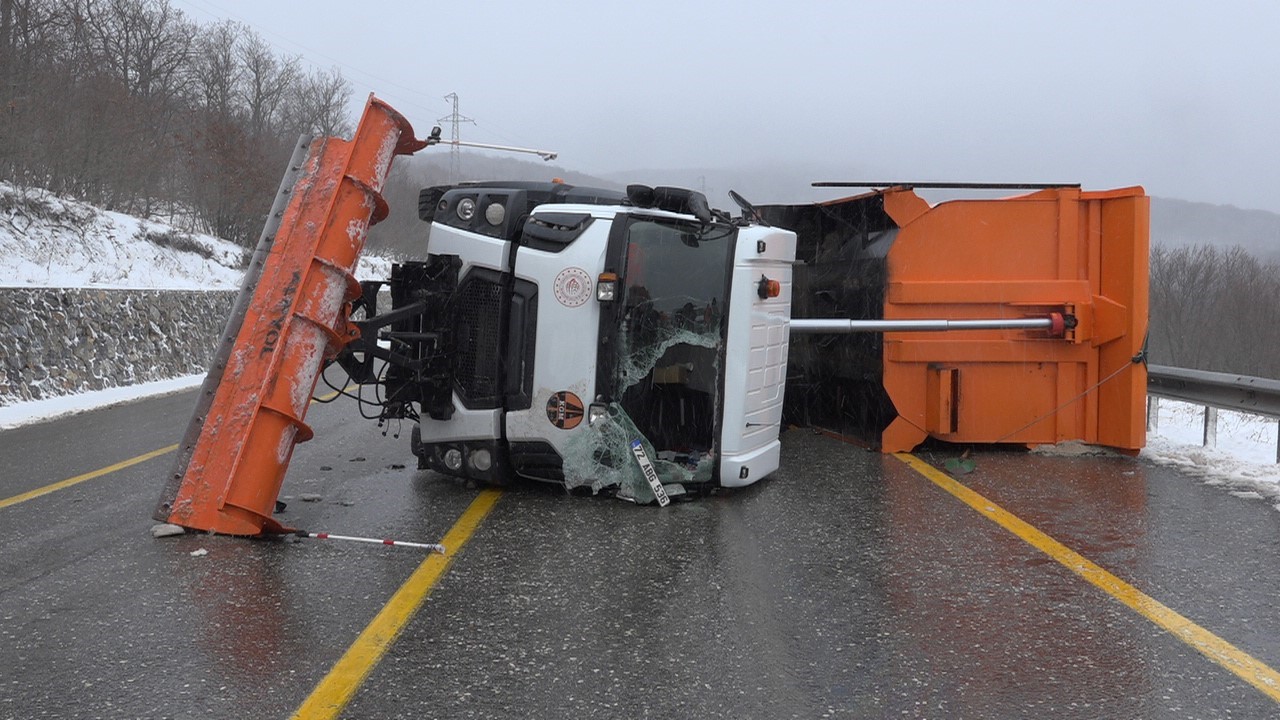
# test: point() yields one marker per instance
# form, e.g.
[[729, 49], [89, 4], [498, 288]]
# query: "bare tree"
[[143, 43], [216, 68], [318, 104], [126, 103], [267, 82], [6, 35], [34, 38]]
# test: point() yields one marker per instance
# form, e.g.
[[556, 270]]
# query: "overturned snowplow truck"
[[642, 343]]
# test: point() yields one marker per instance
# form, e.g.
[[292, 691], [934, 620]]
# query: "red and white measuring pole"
[[433, 547]]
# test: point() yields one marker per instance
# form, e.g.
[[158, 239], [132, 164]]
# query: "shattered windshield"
[[670, 347], [674, 291]]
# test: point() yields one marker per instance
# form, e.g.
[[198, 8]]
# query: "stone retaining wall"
[[57, 341]]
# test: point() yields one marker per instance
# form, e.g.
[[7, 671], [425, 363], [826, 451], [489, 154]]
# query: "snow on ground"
[[49, 241], [26, 413], [1244, 461]]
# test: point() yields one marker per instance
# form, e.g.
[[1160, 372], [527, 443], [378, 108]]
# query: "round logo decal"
[[573, 287], [565, 410]]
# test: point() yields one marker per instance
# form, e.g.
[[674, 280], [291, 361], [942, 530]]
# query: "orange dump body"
[[1058, 250], [888, 255], [232, 464]]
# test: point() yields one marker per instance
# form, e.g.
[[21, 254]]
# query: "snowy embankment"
[[48, 241], [94, 300]]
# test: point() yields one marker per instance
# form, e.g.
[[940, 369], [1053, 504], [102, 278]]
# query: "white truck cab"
[[584, 337]]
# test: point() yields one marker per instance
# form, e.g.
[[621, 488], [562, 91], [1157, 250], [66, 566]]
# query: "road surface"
[[849, 584]]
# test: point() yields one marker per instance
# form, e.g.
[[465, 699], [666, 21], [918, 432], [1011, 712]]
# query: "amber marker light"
[[768, 288], [607, 287]]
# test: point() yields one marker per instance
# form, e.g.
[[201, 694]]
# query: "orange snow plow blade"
[[1061, 250], [292, 315]]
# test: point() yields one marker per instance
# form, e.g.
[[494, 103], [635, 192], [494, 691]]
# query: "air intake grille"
[[478, 341], [537, 461]]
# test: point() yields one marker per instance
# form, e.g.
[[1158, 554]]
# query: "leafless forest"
[[1215, 308], [132, 106]]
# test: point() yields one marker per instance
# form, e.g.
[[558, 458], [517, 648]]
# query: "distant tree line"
[[130, 105], [1215, 309]]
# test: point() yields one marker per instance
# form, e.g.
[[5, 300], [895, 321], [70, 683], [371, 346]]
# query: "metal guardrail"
[[1213, 390], [1259, 396]]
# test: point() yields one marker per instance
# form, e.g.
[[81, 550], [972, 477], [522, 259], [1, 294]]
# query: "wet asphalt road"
[[846, 585]]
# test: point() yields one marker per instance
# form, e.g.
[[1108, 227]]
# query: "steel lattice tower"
[[455, 119]]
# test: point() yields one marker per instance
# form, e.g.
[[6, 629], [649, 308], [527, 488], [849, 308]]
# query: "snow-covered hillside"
[[48, 241]]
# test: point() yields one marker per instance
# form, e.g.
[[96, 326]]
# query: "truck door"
[[555, 316]]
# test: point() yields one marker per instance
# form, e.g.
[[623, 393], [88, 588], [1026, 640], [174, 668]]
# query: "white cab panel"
[[756, 356], [568, 322]]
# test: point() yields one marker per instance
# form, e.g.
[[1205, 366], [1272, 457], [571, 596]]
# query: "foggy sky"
[[1179, 97]]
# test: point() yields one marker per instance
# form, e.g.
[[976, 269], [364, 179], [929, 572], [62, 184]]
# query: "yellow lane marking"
[[63, 484], [53, 487], [328, 396], [337, 688], [1245, 666]]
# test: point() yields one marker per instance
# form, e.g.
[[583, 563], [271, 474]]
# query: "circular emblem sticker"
[[573, 287], [564, 410]]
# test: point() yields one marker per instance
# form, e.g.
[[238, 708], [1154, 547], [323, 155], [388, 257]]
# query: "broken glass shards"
[[642, 349], [601, 458]]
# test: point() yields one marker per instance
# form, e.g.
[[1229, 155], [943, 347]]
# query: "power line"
[[490, 129]]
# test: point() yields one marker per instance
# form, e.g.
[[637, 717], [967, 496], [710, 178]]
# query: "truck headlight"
[[453, 459], [597, 413], [466, 209]]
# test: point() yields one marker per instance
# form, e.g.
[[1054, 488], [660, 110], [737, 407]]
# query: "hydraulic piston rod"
[[841, 326]]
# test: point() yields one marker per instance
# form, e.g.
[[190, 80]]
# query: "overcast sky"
[[1180, 97]]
